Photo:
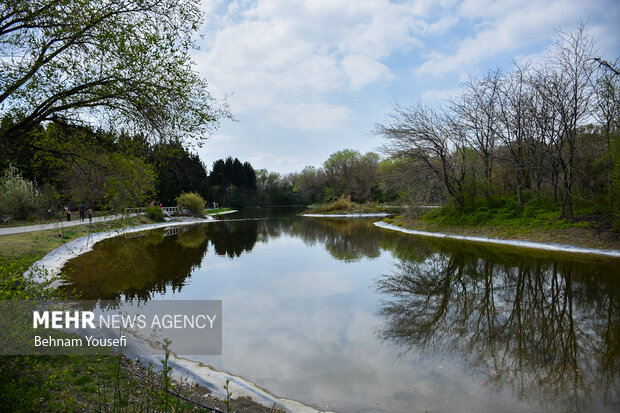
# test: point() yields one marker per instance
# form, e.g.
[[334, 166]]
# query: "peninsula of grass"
[[536, 222], [217, 211], [344, 205]]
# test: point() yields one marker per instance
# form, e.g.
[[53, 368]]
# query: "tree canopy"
[[115, 63]]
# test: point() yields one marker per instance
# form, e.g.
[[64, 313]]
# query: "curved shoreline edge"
[[354, 215], [511, 242], [54, 260]]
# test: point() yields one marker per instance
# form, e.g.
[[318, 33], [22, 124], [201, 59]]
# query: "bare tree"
[[541, 142], [427, 134], [477, 112], [608, 115], [570, 92], [514, 122]]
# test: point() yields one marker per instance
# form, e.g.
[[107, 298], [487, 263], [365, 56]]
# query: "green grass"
[[217, 211], [508, 214], [537, 221], [84, 383], [32, 246], [344, 205]]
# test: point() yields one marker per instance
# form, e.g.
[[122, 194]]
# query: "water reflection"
[[547, 330], [231, 238], [304, 298], [138, 265]]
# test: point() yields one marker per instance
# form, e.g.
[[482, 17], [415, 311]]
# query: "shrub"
[[191, 201], [155, 212], [18, 196]]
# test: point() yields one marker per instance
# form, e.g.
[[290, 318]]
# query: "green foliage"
[[191, 201], [123, 60], [344, 205], [155, 212], [131, 182], [227, 402], [18, 196], [233, 182], [20, 282], [536, 213], [178, 170]]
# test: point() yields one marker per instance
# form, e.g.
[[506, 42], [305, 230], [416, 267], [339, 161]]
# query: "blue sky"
[[306, 78]]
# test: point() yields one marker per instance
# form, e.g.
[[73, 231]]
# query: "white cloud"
[[273, 53], [501, 26], [362, 70], [259, 158], [310, 116]]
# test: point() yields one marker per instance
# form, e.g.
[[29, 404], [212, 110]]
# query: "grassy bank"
[[539, 224], [344, 205], [111, 383], [32, 246], [217, 211]]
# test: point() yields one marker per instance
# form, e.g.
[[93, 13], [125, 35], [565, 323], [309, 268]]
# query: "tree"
[[514, 124], [123, 63], [178, 170], [309, 184], [233, 182], [426, 134], [350, 173], [570, 91], [608, 115], [477, 111], [131, 182]]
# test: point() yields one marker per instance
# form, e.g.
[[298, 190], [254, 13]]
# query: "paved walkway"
[[60, 224]]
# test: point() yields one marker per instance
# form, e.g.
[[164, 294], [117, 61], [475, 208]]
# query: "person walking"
[[82, 212], [68, 212], [90, 215]]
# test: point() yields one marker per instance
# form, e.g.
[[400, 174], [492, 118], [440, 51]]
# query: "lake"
[[341, 315]]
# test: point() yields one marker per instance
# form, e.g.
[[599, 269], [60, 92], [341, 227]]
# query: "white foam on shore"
[[360, 215], [512, 242], [53, 261]]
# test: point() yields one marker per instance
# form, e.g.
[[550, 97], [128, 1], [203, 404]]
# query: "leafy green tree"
[[122, 62], [131, 182], [348, 172]]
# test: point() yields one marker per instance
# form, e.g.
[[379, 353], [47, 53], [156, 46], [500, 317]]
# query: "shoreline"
[[351, 215], [54, 260], [510, 242]]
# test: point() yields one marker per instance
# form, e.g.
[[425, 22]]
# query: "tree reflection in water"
[[143, 264], [548, 330]]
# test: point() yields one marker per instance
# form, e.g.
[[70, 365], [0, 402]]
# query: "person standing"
[[90, 215], [68, 212], [82, 212]]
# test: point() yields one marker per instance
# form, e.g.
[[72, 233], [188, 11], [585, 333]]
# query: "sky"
[[307, 78]]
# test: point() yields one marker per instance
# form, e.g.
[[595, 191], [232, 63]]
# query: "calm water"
[[344, 316]]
